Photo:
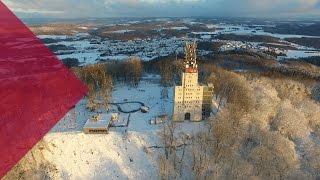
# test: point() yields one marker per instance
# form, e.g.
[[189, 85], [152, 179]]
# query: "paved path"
[[130, 102]]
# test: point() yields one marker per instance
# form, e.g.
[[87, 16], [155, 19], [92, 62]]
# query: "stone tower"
[[189, 96]]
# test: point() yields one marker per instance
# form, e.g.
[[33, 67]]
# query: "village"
[[89, 48]]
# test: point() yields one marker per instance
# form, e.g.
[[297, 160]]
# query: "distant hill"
[[304, 41], [293, 28]]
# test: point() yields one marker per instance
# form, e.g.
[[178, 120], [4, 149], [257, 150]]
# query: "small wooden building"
[[99, 124]]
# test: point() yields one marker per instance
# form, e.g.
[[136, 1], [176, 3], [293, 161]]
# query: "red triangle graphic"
[[36, 90]]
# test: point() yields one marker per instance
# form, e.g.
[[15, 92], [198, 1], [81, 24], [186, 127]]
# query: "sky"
[[165, 8]]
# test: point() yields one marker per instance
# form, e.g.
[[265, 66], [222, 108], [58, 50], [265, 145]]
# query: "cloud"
[[266, 8], [164, 8]]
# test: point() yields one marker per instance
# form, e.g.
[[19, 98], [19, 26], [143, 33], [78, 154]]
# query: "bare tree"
[[99, 84], [202, 159], [133, 70]]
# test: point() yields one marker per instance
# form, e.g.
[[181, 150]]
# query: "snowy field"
[[242, 29], [301, 54], [117, 155]]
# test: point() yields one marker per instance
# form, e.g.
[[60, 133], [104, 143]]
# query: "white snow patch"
[[116, 57], [178, 28], [83, 57], [301, 54], [83, 27], [122, 31], [206, 36], [52, 36], [211, 26]]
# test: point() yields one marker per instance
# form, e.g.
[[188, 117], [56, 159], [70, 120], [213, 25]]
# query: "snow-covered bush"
[[290, 122], [231, 88], [289, 89], [275, 157], [311, 111], [265, 102]]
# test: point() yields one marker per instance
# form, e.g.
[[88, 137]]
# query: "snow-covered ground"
[[83, 57], [52, 36], [122, 31], [117, 155], [301, 54], [178, 28]]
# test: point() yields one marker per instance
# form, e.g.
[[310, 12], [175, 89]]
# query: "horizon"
[[178, 17], [81, 9], [81, 20]]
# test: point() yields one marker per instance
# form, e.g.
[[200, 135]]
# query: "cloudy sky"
[[165, 8]]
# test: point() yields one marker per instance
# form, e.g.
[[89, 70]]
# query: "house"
[[99, 124]]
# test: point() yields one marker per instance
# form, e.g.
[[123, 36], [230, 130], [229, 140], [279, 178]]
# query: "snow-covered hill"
[[121, 154]]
